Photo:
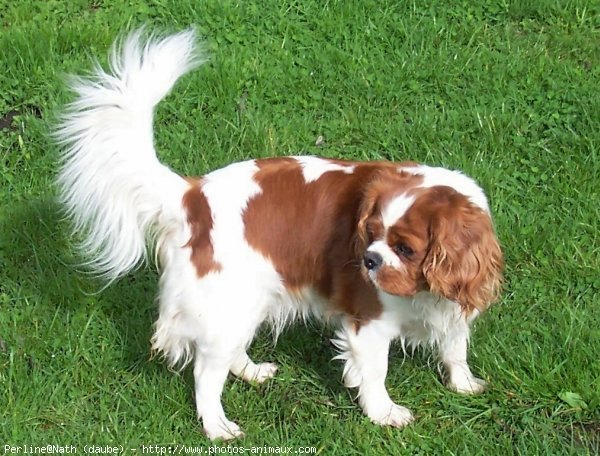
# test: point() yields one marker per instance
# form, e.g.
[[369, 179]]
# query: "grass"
[[506, 91]]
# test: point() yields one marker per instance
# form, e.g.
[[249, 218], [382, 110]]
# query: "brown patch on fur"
[[200, 219], [309, 230]]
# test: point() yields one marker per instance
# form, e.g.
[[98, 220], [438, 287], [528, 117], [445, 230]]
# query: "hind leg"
[[210, 373], [244, 368], [214, 322], [220, 348]]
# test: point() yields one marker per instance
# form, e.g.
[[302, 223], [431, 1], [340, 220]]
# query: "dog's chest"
[[422, 320]]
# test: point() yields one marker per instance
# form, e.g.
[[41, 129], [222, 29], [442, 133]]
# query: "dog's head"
[[432, 238]]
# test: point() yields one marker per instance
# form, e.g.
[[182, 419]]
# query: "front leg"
[[453, 354], [365, 350]]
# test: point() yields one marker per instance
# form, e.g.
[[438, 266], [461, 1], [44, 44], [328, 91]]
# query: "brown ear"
[[464, 263]]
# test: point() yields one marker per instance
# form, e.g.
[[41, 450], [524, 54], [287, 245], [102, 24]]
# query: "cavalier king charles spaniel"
[[384, 251]]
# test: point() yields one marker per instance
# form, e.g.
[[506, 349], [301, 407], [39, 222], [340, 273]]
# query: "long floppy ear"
[[464, 263]]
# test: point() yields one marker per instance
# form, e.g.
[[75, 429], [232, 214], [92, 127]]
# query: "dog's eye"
[[403, 250]]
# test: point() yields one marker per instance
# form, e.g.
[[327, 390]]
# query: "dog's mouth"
[[392, 281]]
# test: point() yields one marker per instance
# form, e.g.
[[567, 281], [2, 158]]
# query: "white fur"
[[366, 356], [423, 320], [454, 179], [314, 167], [111, 182], [117, 193], [395, 209]]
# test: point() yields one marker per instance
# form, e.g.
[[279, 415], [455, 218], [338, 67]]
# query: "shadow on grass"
[[39, 263]]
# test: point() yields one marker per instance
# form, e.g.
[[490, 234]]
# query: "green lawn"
[[507, 91]]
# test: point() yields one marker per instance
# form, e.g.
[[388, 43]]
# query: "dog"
[[385, 251]]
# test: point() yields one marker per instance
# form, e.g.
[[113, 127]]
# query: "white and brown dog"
[[383, 250]]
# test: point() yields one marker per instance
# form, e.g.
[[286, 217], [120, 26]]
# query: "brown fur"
[[308, 231], [200, 219], [464, 262]]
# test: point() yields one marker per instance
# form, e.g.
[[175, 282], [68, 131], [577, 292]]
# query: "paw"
[[258, 373], [393, 415], [223, 430], [467, 385], [264, 371]]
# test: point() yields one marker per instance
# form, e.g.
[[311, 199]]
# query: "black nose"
[[372, 260]]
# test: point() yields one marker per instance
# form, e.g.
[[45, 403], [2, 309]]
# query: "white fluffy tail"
[[111, 182]]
